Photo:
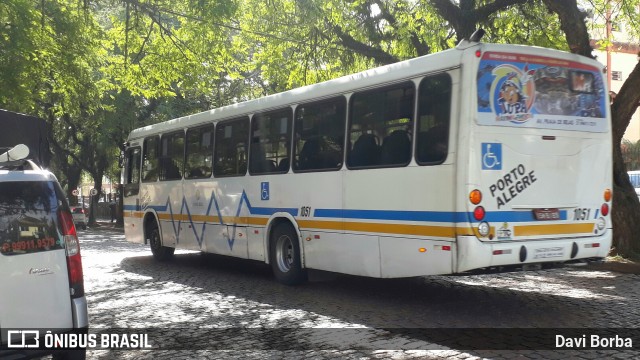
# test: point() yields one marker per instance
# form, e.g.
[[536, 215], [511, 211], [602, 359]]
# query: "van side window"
[[230, 147], [434, 108], [150, 159], [319, 135], [199, 153], [381, 126], [270, 142]]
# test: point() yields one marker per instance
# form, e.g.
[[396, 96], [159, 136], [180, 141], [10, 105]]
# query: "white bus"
[[481, 156]]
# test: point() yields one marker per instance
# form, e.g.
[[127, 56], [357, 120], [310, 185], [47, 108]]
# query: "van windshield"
[[28, 221]]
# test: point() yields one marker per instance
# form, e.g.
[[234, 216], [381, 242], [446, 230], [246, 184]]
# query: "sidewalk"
[[106, 224], [621, 266]]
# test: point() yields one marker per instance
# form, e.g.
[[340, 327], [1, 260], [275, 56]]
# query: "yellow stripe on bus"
[[556, 229], [421, 230], [399, 229], [132, 214], [469, 231]]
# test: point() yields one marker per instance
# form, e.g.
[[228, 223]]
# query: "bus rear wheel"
[[160, 253], [284, 256]]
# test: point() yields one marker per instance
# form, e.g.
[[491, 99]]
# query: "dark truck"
[[24, 129]]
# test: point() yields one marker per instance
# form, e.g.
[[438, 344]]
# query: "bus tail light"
[[72, 248], [607, 195], [604, 209], [475, 196], [478, 213]]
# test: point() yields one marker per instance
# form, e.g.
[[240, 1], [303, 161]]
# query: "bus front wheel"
[[285, 256], [160, 253]]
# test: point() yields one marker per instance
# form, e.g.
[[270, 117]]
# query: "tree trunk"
[[626, 210], [626, 207], [73, 179], [97, 184]]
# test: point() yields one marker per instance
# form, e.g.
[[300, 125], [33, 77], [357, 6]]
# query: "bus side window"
[[319, 135], [132, 166], [270, 138], [199, 153], [434, 104], [150, 159], [230, 147], [381, 126], [172, 156], [132, 171]]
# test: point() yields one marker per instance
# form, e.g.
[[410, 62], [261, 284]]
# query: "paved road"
[[215, 307]]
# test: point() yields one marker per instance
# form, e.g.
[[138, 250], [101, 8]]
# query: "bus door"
[[131, 189]]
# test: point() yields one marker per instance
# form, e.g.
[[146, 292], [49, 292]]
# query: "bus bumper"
[[475, 254]]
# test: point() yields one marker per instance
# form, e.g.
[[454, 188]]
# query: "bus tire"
[[284, 256], [160, 253]]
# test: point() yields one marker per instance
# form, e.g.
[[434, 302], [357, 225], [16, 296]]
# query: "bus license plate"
[[546, 214]]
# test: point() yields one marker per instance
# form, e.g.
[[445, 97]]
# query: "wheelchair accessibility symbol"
[[491, 156]]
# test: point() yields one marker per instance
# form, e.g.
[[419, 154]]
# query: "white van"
[[42, 282]]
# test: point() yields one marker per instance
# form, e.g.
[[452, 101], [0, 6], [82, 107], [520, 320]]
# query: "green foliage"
[[631, 154], [96, 70], [527, 24], [48, 57]]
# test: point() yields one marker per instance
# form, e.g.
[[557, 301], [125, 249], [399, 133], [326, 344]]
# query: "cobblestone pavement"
[[215, 307]]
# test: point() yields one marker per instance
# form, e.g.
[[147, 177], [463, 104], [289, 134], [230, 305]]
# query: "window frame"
[[254, 119], [417, 121], [132, 188], [294, 143], [216, 142], [186, 149], [147, 139], [412, 125], [162, 170]]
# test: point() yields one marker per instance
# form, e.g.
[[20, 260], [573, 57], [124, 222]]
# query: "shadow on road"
[[224, 292]]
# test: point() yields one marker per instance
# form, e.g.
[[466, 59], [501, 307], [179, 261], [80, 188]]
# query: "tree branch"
[[379, 55], [573, 25]]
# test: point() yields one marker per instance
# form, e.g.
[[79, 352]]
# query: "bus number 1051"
[[581, 214], [305, 211]]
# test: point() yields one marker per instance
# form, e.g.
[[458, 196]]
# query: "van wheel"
[[284, 256], [160, 253]]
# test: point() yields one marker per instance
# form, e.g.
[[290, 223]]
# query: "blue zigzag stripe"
[[212, 201]]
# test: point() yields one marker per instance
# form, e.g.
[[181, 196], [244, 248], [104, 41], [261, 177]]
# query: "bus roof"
[[396, 72]]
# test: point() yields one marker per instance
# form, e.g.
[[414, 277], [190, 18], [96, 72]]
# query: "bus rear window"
[[528, 91], [28, 222]]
